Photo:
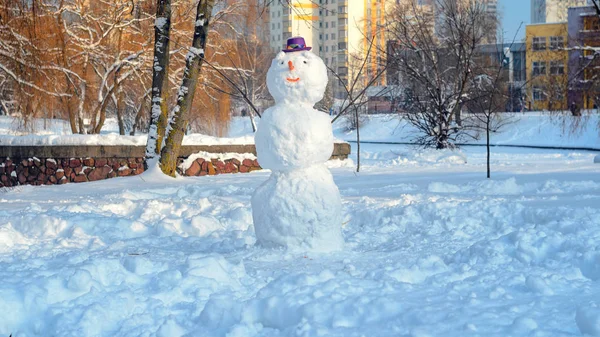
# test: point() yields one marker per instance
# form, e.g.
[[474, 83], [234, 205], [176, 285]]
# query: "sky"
[[513, 13]]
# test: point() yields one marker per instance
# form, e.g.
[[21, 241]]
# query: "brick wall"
[[49, 165]]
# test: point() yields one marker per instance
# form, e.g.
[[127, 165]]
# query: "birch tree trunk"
[[185, 96], [159, 112], [120, 96]]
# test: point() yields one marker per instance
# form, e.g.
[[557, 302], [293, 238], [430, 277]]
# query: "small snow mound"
[[524, 325], [597, 159], [420, 271], [217, 268], [538, 285], [138, 265], [590, 266], [220, 313], [81, 280], [438, 187], [170, 329], [453, 158], [588, 319], [487, 187]]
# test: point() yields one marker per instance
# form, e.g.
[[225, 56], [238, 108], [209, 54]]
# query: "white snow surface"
[[531, 128], [432, 249], [58, 132]]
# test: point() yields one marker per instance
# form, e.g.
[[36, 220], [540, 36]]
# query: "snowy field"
[[532, 128], [432, 249]]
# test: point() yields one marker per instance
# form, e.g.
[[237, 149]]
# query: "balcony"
[[593, 35]]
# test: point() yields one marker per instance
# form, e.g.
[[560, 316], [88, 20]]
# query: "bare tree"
[[356, 93], [160, 79], [185, 96], [434, 65], [488, 98], [75, 57]]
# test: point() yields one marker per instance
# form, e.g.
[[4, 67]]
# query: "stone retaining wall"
[[48, 165]]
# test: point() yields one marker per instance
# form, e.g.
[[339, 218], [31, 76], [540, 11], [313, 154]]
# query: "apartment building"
[[547, 66], [547, 11], [584, 66], [337, 31]]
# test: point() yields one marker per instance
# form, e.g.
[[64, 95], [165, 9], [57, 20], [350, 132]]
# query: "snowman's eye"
[[281, 62], [305, 62]]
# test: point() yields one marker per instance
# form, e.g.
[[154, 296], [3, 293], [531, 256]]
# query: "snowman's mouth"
[[293, 79]]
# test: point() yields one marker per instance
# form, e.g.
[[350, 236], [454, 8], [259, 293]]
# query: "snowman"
[[299, 206]]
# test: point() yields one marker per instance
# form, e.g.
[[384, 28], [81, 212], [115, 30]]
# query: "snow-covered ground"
[[58, 132], [432, 249], [532, 128]]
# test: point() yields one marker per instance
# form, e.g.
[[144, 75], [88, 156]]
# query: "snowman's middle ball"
[[297, 78]]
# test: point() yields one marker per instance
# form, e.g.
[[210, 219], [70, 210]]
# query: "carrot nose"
[[291, 65]]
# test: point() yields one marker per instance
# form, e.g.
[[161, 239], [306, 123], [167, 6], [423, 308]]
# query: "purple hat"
[[296, 44]]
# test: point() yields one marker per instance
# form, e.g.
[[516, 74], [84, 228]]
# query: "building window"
[[333, 36], [320, 24], [326, 36], [333, 48], [320, 36], [326, 60], [278, 25], [539, 43], [539, 94], [557, 42], [327, 49], [557, 68], [332, 24], [326, 24], [320, 48], [273, 26], [539, 68]]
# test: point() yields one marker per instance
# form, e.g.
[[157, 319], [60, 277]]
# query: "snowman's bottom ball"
[[300, 209]]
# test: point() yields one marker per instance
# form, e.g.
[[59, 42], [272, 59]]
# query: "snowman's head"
[[297, 77]]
